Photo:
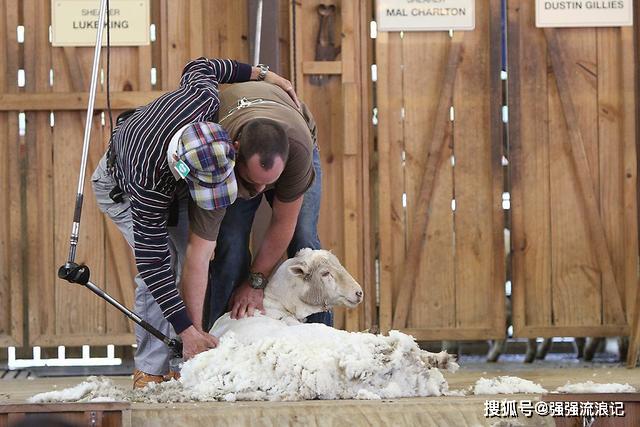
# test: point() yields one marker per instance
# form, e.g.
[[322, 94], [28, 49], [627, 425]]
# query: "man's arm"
[[153, 260], [278, 236], [205, 74], [195, 273]]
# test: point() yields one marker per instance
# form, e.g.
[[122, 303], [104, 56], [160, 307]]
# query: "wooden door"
[[573, 168], [440, 181]]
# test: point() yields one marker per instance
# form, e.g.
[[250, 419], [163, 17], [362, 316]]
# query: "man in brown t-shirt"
[[235, 280]]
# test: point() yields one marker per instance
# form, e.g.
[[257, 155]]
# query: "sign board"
[[425, 15], [75, 22], [584, 13]]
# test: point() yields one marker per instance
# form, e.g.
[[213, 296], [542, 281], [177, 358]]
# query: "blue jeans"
[[232, 260]]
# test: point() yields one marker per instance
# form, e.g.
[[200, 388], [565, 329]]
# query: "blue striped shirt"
[[141, 170]]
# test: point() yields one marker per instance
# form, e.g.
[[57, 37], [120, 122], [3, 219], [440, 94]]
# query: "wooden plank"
[[12, 230], [456, 334], [574, 331], [574, 266], [496, 284], [610, 121], [69, 101], [227, 33], [144, 60], [79, 338], [631, 38], [28, 408], [586, 177], [383, 183], [397, 158], [39, 168], [434, 160], [176, 49], [476, 287], [433, 303], [352, 144], [163, 31], [634, 335], [5, 239], [368, 207], [284, 38], [196, 28], [233, 24], [322, 67], [392, 231], [156, 46], [16, 268], [529, 166], [295, 9]]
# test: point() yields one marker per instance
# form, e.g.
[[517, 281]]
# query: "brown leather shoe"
[[141, 379], [172, 375]]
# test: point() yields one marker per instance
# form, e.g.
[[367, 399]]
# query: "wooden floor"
[[437, 411]]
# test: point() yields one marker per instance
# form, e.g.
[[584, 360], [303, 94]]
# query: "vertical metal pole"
[[256, 49], [75, 228]]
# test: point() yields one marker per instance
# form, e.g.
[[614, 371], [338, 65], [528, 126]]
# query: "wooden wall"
[[573, 167], [341, 107], [40, 168], [429, 214], [439, 143]]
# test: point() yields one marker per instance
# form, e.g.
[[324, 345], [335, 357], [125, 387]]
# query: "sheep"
[[310, 282], [276, 356]]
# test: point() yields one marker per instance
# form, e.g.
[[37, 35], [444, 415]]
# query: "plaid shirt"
[[141, 170]]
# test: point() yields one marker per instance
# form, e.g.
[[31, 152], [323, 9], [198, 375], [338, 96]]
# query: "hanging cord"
[[108, 70]]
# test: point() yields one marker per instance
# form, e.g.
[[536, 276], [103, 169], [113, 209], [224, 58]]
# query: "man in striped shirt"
[[137, 187]]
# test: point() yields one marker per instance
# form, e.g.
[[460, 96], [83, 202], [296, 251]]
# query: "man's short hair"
[[267, 139]]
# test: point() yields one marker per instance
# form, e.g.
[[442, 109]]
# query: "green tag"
[[182, 168]]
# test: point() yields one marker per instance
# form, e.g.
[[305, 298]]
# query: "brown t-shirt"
[[298, 172], [300, 129], [204, 223]]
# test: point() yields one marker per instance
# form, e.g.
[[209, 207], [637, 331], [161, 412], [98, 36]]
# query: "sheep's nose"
[[359, 294]]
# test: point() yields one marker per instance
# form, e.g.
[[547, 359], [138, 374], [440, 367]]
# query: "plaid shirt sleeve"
[[206, 73], [153, 258]]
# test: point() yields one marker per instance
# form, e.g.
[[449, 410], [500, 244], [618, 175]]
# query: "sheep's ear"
[[299, 269]]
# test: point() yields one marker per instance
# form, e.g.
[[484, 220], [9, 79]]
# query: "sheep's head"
[[326, 282]]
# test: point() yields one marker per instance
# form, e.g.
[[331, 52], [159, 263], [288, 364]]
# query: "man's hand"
[[245, 300], [285, 84], [195, 341]]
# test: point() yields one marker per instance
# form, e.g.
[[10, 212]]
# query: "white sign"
[[425, 15], [75, 22], [584, 13]]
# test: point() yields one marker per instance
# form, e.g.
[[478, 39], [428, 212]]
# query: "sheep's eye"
[[325, 274]]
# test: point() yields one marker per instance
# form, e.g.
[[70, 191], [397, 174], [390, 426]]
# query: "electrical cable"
[[108, 70]]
